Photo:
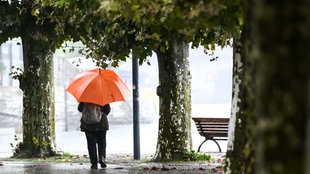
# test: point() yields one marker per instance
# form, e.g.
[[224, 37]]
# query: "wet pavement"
[[114, 166], [75, 168], [55, 168]]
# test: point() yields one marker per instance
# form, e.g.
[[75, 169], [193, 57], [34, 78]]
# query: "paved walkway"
[[116, 165], [75, 168]]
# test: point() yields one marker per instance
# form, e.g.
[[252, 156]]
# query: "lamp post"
[[136, 121]]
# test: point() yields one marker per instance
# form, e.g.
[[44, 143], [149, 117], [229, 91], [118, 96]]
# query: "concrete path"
[[8, 167], [116, 164]]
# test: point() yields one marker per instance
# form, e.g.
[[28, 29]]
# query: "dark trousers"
[[95, 138]]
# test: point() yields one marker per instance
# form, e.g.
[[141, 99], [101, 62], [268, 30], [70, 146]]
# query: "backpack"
[[91, 113]]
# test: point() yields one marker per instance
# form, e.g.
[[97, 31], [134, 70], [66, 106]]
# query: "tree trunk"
[[282, 60], [38, 101], [237, 126], [174, 136], [37, 84]]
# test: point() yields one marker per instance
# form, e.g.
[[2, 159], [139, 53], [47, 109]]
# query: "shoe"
[[102, 164], [94, 166]]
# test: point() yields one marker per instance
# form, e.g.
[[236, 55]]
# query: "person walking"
[[96, 135]]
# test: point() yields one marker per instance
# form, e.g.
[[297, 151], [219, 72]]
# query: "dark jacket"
[[102, 125]]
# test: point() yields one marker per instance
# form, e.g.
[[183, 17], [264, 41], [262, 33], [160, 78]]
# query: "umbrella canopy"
[[98, 86]]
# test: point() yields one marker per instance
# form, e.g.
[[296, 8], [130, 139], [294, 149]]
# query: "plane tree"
[[278, 53], [118, 29], [274, 90], [40, 36]]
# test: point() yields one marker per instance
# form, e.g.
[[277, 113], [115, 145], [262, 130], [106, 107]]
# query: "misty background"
[[211, 97]]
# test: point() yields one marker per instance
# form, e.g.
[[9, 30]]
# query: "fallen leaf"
[[164, 168], [213, 170], [154, 168], [220, 167]]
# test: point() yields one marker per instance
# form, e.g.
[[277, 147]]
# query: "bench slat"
[[211, 119], [205, 123], [212, 126], [212, 129]]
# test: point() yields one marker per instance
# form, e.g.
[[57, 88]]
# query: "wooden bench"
[[214, 129]]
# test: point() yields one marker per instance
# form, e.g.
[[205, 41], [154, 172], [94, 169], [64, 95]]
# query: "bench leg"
[[218, 145], [201, 145], [212, 140]]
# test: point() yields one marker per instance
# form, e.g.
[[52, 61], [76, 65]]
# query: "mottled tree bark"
[[174, 136], [280, 61], [237, 127], [38, 102]]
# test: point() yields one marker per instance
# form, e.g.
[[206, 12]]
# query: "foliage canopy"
[[112, 30]]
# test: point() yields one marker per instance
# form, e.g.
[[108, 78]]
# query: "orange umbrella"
[[98, 86]]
